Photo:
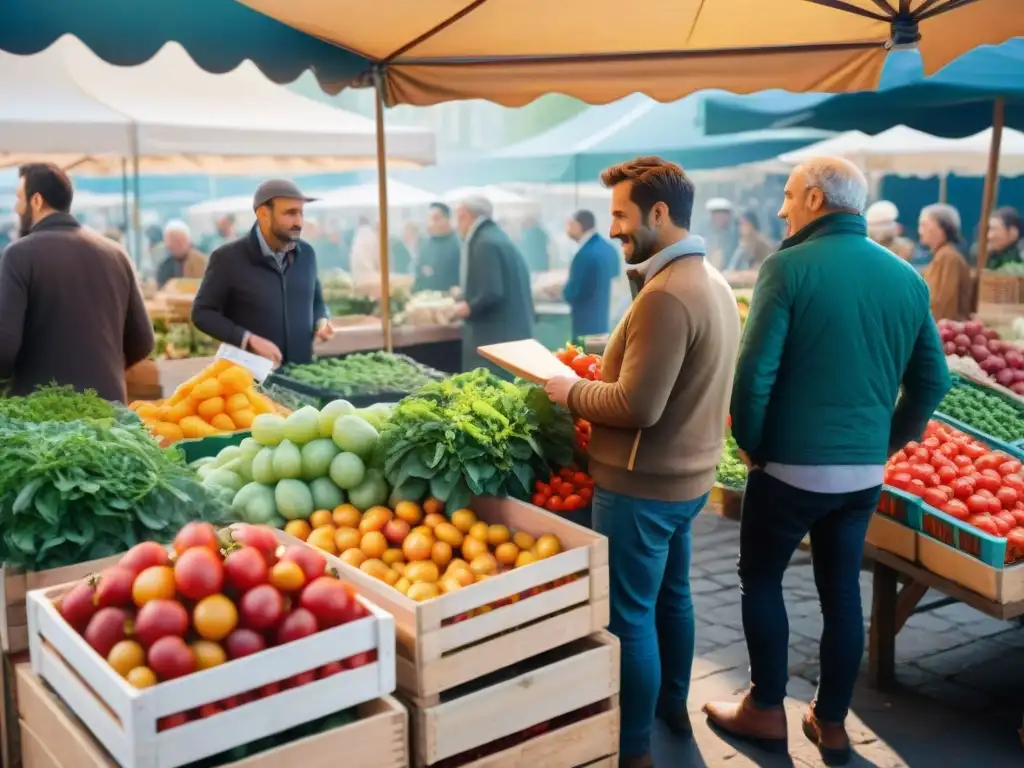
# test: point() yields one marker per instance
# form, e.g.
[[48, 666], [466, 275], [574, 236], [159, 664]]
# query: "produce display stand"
[[204, 447], [318, 397], [725, 501], [173, 373], [443, 653], [124, 719], [436, 346], [52, 737]]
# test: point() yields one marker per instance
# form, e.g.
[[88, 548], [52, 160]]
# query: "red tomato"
[[990, 480], [898, 456], [947, 474], [968, 471], [994, 506], [565, 473], [938, 460], [957, 509], [962, 461], [1015, 538], [900, 480], [978, 505], [1002, 527], [963, 487], [1007, 496], [582, 478], [540, 499], [946, 490], [910, 447], [573, 501], [933, 497], [949, 450], [1009, 467], [916, 487], [555, 504], [587, 494], [974, 451], [931, 443], [921, 455], [985, 493], [1008, 517], [922, 472], [988, 461], [1016, 482], [986, 524], [1018, 515], [543, 488]]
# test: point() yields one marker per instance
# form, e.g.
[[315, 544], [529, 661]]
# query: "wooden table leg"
[[882, 634]]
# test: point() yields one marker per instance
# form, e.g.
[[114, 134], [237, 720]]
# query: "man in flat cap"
[[261, 291]]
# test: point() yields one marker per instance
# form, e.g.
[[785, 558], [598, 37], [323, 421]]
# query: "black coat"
[[244, 291]]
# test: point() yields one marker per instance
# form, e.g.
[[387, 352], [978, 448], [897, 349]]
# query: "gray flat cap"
[[272, 188]]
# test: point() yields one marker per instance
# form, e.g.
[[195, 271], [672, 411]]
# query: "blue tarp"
[[956, 101], [218, 34]]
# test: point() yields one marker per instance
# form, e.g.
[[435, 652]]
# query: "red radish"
[[949, 348], [298, 624], [243, 642], [980, 352], [962, 340], [78, 606], [114, 587], [106, 629], [1005, 377]]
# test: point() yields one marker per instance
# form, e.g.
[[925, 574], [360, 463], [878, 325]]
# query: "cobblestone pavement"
[[961, 674]]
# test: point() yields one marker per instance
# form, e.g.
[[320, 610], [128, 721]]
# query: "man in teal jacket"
[[838, 327]]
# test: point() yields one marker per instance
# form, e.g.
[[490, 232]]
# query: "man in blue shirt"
[[588, 291]]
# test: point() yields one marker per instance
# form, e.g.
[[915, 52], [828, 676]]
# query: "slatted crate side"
[[435, 653], [124, 719], [14, 585], [54, 738], [585, 674]]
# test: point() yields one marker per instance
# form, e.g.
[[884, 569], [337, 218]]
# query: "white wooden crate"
[[435, 655], [124, 719]]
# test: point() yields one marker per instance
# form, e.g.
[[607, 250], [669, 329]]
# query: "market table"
[[436, 346], [892, 605]]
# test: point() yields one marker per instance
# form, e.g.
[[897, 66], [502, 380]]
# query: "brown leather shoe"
[[637, 761], [765, 728], [831, 738]]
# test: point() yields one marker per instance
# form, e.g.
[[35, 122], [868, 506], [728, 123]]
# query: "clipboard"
[[527, 359]]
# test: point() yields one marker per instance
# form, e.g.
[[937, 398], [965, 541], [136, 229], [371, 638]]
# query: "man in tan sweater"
[[658, 421]]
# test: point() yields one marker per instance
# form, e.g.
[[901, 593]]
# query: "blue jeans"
[[651, 607], [775, 518]]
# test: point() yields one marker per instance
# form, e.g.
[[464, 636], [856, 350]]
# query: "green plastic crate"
[[202, 447]]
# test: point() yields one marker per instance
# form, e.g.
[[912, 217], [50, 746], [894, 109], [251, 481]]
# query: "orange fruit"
[[346, 516], [392, 556], [323, 538], [347, 538], [287, 576], [300, 529], [417, 546], [243, 418], [498, 534], [547, 546], [223, 422], [433, 506], [373, 544], [171, 433], [214, 617], [211, 407], [353, 557], [506, 553], [126, 656], [484, 565], [441, 553], [525, 558], [236, 402], [448, 533], [463, 519], [423, 591], [204, 390], [472, 548], [321, 518], [374, 519], [409, 511], [235, 380], [479, 531], [433, 519], [141, 677], [523, 540], [208, 654], [260, 403]]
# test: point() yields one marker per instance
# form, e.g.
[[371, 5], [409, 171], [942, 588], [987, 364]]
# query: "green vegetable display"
[[732, 472], [470, 434], [363, 374], [1014, 268], [984, 411], [79, 490], [53, 403]]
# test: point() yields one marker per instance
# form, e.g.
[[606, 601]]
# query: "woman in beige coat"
[[948, 276]]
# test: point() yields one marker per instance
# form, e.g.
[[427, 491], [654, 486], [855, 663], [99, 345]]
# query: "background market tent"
[[364, 197], [505, 201], [67, 105]]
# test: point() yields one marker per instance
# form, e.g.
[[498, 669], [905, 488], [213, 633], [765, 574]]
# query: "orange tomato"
[[141, 677], [214, 617], [346, 516], [320, 518], [154, 583], [300, 529], [208, 654], [126, 656], [288, 576]]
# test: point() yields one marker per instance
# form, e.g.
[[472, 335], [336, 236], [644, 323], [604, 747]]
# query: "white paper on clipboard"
[[258, 366], [528, 359]]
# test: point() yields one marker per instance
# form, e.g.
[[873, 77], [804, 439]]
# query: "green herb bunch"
[[471, 434], [54, 403], [732, 472]]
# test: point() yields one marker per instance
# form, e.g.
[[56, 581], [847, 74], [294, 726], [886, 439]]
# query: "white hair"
[[179, 226], [842, 183], [479, 206], [946, 216]]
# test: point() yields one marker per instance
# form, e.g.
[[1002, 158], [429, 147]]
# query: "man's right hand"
[[264, 348]]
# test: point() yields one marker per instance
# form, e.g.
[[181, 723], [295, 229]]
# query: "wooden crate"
[[727, 502], [124, 719], [1002, 585], [508, 702], [53, 737], [14, 585], [435, 654], [887, 534]]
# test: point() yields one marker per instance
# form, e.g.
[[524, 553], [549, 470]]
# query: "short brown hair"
[[655, 181]]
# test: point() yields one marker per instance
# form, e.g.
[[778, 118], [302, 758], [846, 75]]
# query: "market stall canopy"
[[512, 52], [905, 152], [954, 102], [364, 197], [69, 106]]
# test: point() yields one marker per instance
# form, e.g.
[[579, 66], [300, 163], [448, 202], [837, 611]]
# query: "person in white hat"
[[724, 237], [884, 228]]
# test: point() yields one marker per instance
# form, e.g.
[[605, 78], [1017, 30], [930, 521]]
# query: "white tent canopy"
[[904, 151], [364, 197], [67, 105]]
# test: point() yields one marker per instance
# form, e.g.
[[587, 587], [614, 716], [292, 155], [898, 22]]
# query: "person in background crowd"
[[884, 228], [400, 257], [177, 257], [437, 266], [753, 248], [948, 276], [225, 233], [816, 466], [1004, 241], [365, 253], [724, 238], [658, 421], [534, 245], [70, 307], [588, 291], [498, 304], [412, 239], [261, 291]]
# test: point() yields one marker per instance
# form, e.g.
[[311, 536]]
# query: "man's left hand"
[[325, 331], [559, 387], [745, 458], [462, 310]]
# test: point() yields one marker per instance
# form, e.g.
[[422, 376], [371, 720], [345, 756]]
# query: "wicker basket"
[[999, 289]]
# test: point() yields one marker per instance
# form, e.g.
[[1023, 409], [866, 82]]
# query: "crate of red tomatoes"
[[176, 654], [954, 488]]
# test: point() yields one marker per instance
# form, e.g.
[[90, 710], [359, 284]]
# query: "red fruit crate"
[[559, 708], [900, 506], [461, 636], [125, 720]]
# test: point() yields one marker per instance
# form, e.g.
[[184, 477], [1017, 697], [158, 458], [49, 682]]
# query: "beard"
[[644, 243], [24, 223], [286, 235]]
